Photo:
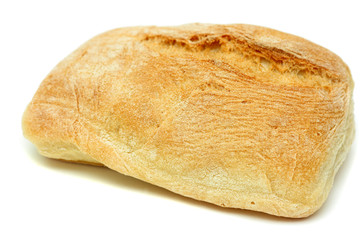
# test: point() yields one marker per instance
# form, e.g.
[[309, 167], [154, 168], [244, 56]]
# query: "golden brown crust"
[[237, 115]]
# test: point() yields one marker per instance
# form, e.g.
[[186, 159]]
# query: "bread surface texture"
[[240, 116]]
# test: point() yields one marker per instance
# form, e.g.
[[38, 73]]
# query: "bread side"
[[236, 115]]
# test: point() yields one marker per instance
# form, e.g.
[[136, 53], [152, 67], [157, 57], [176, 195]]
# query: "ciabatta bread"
[[236, 115]]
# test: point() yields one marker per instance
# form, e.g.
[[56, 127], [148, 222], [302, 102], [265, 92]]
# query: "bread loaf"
[[236, 115]]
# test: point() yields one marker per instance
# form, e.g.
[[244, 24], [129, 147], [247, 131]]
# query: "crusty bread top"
[[248, 112], [273, 50]]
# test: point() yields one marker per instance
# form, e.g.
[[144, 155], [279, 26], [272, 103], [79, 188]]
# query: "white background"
[[42, 198]]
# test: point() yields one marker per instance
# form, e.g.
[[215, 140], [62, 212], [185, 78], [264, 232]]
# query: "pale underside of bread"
[[236, 115]]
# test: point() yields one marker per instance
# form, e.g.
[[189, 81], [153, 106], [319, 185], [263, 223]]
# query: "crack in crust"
[[268, 59]]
